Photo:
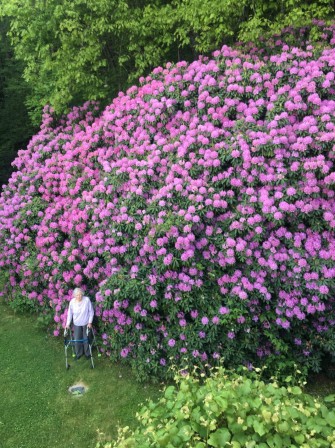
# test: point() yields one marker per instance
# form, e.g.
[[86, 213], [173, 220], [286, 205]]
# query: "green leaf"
[[169, 392], [299, 439], [283, 427], [277, 441], [219, 438], [329, 398], [251, 444], [235, 444], [185, 433], [296, 390], [222, 402], [259, 428], [330, 418]]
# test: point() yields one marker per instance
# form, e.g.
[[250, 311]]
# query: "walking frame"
[[90, 339]]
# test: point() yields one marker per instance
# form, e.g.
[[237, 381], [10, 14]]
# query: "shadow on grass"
[[320, 385]]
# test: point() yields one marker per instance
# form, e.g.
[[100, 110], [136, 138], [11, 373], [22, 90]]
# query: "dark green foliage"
[[15, 126]]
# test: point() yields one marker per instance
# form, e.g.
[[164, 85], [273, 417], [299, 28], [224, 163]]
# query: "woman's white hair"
[[77, 291]]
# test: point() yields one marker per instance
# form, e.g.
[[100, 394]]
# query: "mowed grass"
[[36, 409]]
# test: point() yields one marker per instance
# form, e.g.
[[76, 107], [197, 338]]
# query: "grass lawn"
[[36, 410]]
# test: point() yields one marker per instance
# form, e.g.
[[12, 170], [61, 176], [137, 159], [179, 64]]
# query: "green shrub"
[[196, 210], [231, 410], [13, 296]]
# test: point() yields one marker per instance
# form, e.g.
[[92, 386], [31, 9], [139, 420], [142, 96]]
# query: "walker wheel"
[[67, 367]]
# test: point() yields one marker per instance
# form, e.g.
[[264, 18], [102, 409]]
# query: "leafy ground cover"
[[228, 409], [36, 409]]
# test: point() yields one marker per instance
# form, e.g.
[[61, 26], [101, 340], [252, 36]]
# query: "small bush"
[[231, 410], [17, 301]]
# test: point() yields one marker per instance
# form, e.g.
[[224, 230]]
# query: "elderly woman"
[[81, 311]]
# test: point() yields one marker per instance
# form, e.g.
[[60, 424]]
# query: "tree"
[[69, 48], [78, 50]]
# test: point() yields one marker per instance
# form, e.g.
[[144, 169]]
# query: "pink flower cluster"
[[198, 208]]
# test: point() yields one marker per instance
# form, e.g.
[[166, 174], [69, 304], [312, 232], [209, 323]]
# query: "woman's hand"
[[89, 325]]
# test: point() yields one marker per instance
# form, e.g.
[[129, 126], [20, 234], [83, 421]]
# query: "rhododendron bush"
[[197, 210]]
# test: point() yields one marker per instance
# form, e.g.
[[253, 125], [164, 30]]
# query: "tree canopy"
[[78, 50]]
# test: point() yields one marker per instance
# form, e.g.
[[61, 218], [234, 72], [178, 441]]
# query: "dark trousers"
[[81, 347]]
